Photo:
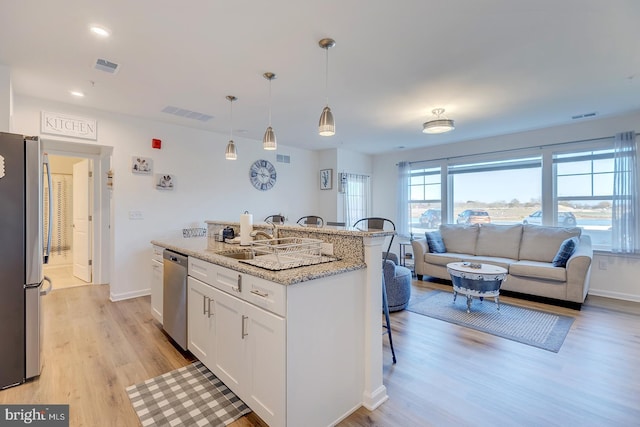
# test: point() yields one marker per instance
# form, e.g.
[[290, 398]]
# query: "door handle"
[[239, 288], [244, 333], [260, 293], [46, 291]]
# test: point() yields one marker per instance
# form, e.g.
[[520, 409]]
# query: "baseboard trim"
[[129, 295], [614, 295]]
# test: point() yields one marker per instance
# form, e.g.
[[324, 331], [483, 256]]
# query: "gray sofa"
[[526, 251]]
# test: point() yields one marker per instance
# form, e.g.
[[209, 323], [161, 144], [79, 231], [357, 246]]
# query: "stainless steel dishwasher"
[[174, 296]]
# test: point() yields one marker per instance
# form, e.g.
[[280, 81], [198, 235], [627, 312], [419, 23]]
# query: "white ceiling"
[[496, 66]]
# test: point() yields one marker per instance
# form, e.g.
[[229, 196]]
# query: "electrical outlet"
[[135, 215], [327, 248]]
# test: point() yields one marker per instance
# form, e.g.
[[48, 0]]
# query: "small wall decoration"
[[165, 181], [67, 125], [142, 165], [326, 179]]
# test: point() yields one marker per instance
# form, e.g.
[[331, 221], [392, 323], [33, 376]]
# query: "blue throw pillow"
[[567, 248], [434, 240]]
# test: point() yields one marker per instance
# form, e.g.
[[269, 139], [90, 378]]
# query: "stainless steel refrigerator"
[[22, 255]]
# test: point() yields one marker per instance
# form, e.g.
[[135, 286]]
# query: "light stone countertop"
[[197, 248]]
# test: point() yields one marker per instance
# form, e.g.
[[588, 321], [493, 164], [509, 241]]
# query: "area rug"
[[533, 327], [189, 396]]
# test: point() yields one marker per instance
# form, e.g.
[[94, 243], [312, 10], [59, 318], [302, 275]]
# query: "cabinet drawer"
[[157, 253], [268, 295], [225, 279]]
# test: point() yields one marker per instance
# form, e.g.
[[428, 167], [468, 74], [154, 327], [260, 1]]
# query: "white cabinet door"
[[200, 321], [157, 274], [228, 339], [266, 364]]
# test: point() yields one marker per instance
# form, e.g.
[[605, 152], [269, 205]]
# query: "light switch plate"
[[136, 215]]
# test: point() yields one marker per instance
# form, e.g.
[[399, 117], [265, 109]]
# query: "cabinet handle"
[[239, 288], [209, 307], [204, 305], [244, 334], [260, 293]]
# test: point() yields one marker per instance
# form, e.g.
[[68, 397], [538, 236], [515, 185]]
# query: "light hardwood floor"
[[62, 276], [446, 375]]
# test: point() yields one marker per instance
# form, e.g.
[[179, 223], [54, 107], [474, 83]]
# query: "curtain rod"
[[516, 149]]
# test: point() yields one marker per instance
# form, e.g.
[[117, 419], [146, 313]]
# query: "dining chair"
[[311, 221], [377, 223], [275, 219]]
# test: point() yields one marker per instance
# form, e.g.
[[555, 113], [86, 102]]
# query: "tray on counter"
[[286, 253]]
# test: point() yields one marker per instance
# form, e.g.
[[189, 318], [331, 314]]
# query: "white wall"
[[6, 100], [614, 277], [207, 185]]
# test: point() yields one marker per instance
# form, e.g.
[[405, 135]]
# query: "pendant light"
[[326, 125], [230, 152], [438, 124], [269, 140]]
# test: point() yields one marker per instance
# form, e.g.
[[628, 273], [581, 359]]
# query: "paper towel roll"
[[246, 227]]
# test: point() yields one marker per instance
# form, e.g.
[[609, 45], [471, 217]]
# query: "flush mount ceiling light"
[[326, 125], [269, 140], [438, 124], [100, 31], [230, 152]]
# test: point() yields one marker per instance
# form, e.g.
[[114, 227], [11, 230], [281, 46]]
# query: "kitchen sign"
[[66, 125]]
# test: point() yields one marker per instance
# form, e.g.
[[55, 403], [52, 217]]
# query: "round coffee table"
[[476, 280]]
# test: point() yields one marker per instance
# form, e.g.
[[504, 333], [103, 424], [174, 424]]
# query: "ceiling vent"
[[283, 158], [584, 116], [187, 114], [106, 66]]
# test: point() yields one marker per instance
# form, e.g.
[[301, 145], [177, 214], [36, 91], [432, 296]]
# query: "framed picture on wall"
[[326, 179], [165, 181], [141, 165]]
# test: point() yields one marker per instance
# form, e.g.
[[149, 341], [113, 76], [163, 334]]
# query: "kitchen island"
[[300, 346]]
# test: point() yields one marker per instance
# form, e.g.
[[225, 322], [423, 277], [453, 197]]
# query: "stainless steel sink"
[[238, 254]]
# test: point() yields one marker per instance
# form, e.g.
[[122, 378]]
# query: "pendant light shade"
[[230, 152], [438, 124], [326, 124], [269, 140]]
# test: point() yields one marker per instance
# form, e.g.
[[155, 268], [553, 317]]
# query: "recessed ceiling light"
[[77, 93], [100, 31]]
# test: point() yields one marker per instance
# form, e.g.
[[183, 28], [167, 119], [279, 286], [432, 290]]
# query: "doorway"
[[70, 261], [82, 215]]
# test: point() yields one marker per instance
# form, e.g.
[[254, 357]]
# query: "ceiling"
[[496, 66]]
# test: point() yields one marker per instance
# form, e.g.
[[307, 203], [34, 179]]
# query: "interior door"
[[81, 221]]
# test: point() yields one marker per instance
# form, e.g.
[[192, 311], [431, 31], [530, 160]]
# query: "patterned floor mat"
[[189, 396]]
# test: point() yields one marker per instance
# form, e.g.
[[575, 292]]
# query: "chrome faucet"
[[261, 233]]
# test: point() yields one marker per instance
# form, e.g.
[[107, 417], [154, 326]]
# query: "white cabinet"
[[157, 274], [265, 343], [240, 343], [293, 354], [200, 320]]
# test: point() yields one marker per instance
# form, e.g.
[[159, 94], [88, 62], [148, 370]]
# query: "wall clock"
[[262, 175]]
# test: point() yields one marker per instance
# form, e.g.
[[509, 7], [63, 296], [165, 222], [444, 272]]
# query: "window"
[[424, 200], [578, 190], [584, 190], [357, 199], [501, 192]]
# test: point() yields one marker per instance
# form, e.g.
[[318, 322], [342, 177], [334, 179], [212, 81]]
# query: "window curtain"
[[402, 216], [625, 195], [357, 198]]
